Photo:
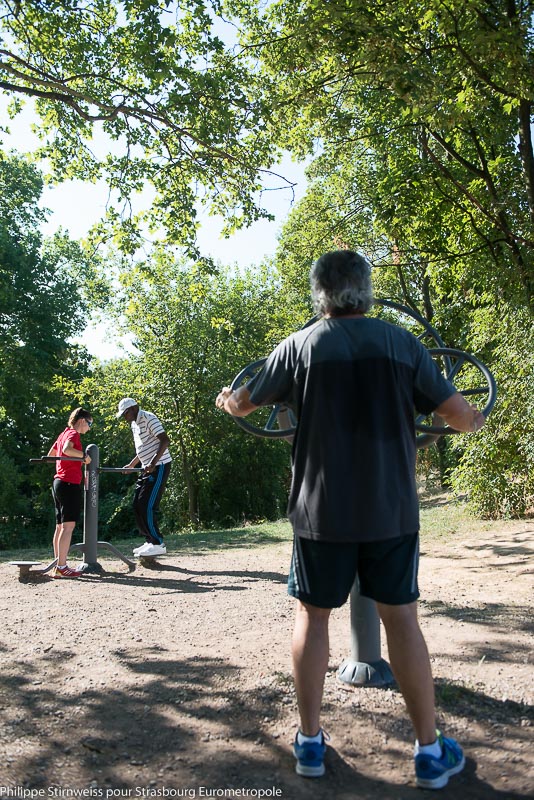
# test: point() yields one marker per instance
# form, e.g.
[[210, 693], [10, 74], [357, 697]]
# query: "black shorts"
[[67, 500], [322, 573]]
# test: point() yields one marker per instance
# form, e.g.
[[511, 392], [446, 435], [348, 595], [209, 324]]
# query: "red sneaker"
[[67, 572]]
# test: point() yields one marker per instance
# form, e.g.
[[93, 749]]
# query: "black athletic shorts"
[[323, 573], [67, 500]]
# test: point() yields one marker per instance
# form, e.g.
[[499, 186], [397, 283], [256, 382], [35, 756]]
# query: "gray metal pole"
[[90, 516], [365, 667], [286, 421], [90, 543]]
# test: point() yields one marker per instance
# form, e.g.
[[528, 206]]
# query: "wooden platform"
[[26, 571]]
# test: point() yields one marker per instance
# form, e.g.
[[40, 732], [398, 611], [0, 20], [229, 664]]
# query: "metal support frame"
[[90, 543], [365, 667]]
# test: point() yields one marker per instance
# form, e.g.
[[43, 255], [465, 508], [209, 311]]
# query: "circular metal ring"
[[453, 361], [280, 421], [278, 415]]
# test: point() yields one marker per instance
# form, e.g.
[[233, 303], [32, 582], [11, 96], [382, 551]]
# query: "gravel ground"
[[175, 681]]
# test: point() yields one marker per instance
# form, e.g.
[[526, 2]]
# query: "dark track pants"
[[148, 492]]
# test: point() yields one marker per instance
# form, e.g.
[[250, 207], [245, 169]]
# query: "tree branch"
[[473, 200], [454, 153]]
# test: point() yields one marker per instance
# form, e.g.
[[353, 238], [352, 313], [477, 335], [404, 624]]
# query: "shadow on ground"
[[510, 616], [185, 724]]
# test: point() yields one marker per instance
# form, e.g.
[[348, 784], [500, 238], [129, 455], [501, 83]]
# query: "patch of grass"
[[449, 694], [443, 517], [194, 542], [187, 543], [284, 679], [38, 553]]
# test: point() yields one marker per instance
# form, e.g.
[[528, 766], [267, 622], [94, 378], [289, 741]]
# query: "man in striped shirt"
[[152, 452]]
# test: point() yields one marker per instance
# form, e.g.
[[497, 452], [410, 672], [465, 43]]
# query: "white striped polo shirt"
[[145, 431]]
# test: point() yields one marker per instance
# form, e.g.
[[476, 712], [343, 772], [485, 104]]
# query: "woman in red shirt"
[[67, 489]]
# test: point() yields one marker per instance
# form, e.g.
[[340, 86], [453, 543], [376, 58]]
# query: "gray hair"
[[341, 283]]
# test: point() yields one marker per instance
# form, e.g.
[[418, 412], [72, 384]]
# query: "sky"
[[75, 206]]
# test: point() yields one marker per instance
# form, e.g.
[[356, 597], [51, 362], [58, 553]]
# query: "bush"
[[496, 466]]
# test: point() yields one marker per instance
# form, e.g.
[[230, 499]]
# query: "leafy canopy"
[[41, 308], [140, 92], [429, 106]]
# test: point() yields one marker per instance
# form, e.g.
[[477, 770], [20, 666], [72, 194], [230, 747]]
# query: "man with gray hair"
[[353, 383]]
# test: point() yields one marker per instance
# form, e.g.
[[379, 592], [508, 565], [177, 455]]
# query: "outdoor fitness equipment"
[[366, 667], [90, 544], [462, 369], [26, 571]]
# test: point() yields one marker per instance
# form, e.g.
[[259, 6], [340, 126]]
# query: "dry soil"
[[175, 681]]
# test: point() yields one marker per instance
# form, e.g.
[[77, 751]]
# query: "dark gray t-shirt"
[[353, 384]]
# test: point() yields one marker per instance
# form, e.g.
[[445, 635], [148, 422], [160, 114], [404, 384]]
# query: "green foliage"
[[194, 330], [13, 505], [420, 119], [197, 330], [40, 309], [496, 466], [417, 113], [140, 93]]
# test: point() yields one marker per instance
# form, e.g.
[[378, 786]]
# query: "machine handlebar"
[[120, 469], [52, 459]]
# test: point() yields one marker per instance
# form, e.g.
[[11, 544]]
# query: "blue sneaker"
[[434, 773], [310, 757]]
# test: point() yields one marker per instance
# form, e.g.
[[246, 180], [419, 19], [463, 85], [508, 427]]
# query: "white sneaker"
[[141, 548], [153, 550]]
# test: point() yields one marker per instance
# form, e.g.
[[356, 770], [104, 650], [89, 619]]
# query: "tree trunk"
[[191, 486], [526, 152], [443, 464]]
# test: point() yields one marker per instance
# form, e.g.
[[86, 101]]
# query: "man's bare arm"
[[460, 415], [235, 403]]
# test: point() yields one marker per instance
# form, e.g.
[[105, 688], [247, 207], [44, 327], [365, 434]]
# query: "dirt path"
[[176, 682]]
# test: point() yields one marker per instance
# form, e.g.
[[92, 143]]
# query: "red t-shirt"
[[68, 471]]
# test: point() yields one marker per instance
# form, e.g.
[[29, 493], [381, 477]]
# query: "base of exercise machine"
[[372, 675], [93, 567]]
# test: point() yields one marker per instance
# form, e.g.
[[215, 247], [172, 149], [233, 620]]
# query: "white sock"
[[433, 749], [301, 738], [61, 567]]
